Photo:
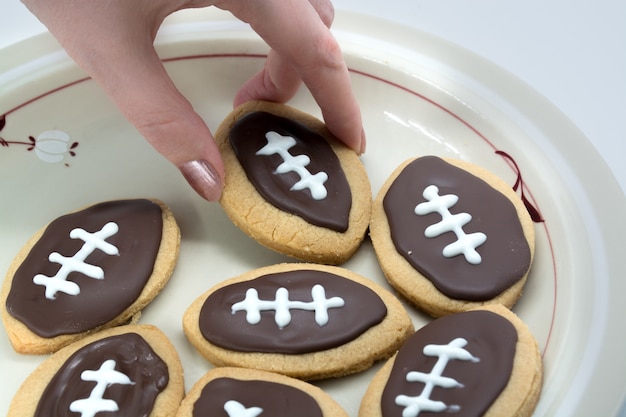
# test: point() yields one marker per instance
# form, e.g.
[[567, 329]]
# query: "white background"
[[573, 52]]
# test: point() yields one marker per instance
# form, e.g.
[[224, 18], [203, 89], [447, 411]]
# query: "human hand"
[[113, 41]]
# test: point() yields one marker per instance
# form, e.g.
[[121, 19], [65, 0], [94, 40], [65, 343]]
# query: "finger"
[[277, 81], [325, 11], [116, 50], [143, 91], [295, 30], [168, 121]]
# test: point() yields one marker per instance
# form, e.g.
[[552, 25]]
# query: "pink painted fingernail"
[[203, 178], [363, 143]]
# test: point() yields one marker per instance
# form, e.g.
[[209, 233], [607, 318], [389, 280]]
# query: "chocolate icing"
[[491, 338], [247, 136], [125, 275], [362, 309], [505, 254], [133, 357], [276, 400]]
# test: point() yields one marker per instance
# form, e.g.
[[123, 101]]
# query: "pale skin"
[[113, 41]]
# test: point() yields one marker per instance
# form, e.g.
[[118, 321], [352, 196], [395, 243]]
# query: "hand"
[[113, 41]]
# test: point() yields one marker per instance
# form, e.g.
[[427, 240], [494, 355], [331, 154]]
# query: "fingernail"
[[203, 178], [363, 143]]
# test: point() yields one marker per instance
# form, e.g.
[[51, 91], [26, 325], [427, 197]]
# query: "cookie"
[[131, 369], [86, 271], [483, 362], [451, 236], [239, 391], [292, 186], [306, 321]]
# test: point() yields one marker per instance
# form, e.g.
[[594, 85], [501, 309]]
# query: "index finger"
[[295, 30]]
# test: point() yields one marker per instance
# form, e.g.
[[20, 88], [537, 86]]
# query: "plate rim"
[[344, 22]]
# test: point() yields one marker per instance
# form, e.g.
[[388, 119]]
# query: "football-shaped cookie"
[[483, 362], [239, 391], [451, 236], [292, 167], [303, 320], [130, 370], [291, 185], [88, 270]]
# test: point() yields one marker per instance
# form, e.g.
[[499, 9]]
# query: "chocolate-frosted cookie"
[[88, 270], [306, 321], [291, 185], [229, 391], [482, 362], [451, 236], [130, 370]]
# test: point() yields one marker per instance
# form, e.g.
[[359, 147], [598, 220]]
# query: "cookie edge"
[[327, 404], [519, 397], [35, 384], [299, 246], [24, 341], [414, 286], [393, 330]]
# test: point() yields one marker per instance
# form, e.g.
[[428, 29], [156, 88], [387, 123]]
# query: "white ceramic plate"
[[419, 96]]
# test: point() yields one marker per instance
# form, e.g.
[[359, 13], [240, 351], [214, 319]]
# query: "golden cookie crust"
[[281, 231], [25, 401], [518, 399], [327, 404], [409, 282], [377, 343], [25, 341]]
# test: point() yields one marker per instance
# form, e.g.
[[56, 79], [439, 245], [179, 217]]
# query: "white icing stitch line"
[[236, 409], [277, 143], [77, 263], [465, 244], [413, 406], [282, 306], [96, 403]]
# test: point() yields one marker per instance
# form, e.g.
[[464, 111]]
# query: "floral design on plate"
[[51, 146]]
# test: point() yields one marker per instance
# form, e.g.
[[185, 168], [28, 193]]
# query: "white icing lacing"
[[282, 306], [76, 263], [236, 409], [103, 377], [465, 244], [277, 143], [413, 406]]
